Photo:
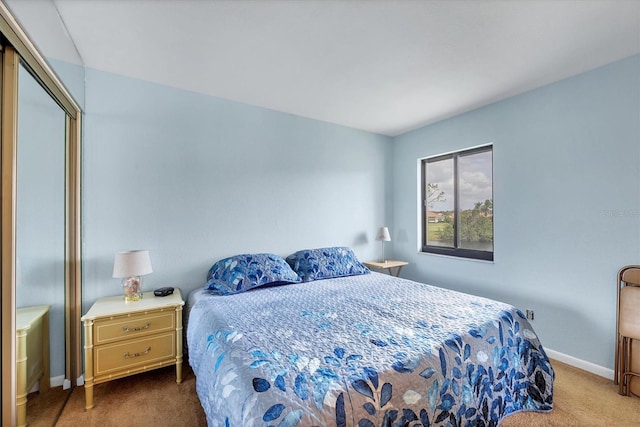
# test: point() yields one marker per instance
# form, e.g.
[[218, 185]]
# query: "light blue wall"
[[566, 198], [194, 178], [72, 77]]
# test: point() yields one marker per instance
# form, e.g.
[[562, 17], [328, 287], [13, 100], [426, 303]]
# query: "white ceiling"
[[382, 66]]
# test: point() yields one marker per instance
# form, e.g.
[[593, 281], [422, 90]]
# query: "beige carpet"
[[44, 409], [149, 399], [582, 399], [154, 399]]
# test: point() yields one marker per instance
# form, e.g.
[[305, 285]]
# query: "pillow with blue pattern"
[[325, 263], [242, 273]]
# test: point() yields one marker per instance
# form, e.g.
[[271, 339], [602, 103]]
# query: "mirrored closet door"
[[40, 227], [40, 240]]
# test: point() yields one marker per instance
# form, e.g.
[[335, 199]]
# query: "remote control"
[[163, 292]]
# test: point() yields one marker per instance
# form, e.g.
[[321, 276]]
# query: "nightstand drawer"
[[115, 358], [119, 328]]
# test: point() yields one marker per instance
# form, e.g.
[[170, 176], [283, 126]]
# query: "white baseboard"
[[58, 381], [579, 363]]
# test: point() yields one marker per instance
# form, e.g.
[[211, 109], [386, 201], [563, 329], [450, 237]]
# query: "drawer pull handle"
[[129, 356], [137, 328]]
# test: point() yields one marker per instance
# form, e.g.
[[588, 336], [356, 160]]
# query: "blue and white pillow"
[[242, 273], [325, 263]]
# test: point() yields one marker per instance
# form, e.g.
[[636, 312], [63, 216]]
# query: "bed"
[[366, 349]]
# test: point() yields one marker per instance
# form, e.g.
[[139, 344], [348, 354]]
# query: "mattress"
[[366, 350]]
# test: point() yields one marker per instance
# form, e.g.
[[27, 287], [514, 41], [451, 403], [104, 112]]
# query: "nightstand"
[[388, 265], [32, 355], [125, 338]]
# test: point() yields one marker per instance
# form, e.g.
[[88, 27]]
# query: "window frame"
[[455, 251]]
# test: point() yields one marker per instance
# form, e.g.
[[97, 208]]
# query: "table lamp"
[[384, 236], [129, 266]]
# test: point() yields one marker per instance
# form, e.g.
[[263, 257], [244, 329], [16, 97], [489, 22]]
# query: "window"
[[457, 203]]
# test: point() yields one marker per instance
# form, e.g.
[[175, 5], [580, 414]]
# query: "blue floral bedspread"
[[370, 350]]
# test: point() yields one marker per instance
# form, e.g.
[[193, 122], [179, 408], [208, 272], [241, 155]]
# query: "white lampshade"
[[132, 263], [383, 234]]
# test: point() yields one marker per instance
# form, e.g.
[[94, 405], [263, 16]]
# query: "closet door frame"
[[16, 48]]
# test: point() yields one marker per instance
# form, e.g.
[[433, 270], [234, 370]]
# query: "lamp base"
[[132, 288], [382, 260]]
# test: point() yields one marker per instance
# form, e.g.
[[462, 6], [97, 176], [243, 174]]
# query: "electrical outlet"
[[530, 315]]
